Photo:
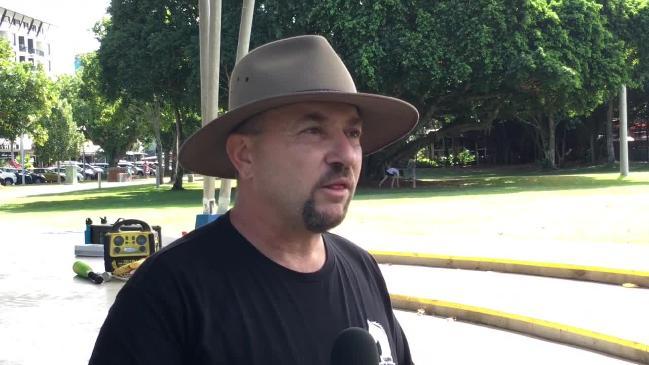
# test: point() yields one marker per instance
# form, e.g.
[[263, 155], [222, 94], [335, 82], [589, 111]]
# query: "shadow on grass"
[[492, 185], [113, 198]]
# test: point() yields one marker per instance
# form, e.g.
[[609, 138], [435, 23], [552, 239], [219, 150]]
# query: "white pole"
[[210, 55], [624, 144], [22, 158], [247, 11]]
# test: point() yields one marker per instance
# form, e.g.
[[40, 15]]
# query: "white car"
[[7, 177], [61, 170]]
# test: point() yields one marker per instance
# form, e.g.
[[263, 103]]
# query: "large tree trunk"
[[593, 158], [610, 151], [167, 162], [548, 140], [178, 170], [156, 124]]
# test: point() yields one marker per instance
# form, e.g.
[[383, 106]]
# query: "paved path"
[[447, 342], [609, 309], [612, 255]]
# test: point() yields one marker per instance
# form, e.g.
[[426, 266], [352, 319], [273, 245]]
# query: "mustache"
[[336, 171]]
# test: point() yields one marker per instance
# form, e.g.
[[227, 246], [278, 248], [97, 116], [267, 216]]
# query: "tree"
[[63, 140], [115, 125], [6, 52], [567, 69], [150, 50], [25, 96]]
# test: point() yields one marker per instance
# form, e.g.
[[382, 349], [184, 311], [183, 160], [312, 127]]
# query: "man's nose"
[[344, 150]]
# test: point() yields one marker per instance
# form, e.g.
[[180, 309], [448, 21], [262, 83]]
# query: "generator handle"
[[130, 222]]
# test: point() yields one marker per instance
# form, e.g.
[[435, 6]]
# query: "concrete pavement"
[[609, 309]]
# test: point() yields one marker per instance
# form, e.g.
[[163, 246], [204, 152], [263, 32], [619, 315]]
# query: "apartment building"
[[28, 36]]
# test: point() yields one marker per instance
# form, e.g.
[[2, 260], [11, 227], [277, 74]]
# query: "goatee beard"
[[319, 222]]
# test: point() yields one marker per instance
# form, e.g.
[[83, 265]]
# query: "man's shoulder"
[[205, 246], [347, 248], [198, 240]]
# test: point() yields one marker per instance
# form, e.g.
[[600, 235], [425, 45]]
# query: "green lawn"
[[450, 205]]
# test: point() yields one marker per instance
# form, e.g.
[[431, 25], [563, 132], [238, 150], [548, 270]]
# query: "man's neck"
[[296, 249]]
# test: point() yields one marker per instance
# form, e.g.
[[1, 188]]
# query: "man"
[[392, 172], [265, 283]]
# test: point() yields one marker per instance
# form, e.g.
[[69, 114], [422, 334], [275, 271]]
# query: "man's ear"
[[237, 146]]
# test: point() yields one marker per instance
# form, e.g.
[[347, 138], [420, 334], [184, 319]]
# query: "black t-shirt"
[[212, 298]]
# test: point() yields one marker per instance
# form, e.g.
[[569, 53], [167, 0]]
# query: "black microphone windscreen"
[[354, 346]]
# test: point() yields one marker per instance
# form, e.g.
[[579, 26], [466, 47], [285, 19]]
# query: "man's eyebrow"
[[356, 121]]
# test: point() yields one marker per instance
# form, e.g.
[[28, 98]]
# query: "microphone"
[[354, 346], [82, 269]]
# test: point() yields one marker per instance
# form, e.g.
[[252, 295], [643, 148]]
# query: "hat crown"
[[288, 66]]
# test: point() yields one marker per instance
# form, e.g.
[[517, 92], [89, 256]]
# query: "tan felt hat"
[[288, 71]]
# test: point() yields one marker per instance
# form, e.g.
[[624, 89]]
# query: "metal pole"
[[99, 180], [210, 55], [247, 12], [22, 158], [624, 144]]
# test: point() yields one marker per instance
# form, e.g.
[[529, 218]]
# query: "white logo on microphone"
[[385, 353]]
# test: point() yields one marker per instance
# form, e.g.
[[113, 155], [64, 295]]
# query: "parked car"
[[30, 178], [49, 174], [61, 170], [130, 168], [146, 166], [90, 172], [97, 169], [7, 177]]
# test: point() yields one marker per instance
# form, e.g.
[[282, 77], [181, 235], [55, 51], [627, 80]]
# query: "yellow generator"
[[128, 241]]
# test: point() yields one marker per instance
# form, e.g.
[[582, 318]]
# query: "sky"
[[73, 20]]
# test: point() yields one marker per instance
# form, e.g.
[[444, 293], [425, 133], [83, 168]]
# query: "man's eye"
[[355, 133], [312, 130]]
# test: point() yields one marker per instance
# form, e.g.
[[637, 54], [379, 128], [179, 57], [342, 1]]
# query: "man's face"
[[306, 162]]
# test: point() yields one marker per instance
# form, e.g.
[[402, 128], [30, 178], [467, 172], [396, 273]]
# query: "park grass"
[[579, 205]]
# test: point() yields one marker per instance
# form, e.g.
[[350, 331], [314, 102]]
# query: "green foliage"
[[465, 157], [461, 63], [28, 161], [115, 125], [63, 139], [462, 158], [422, 160], [150, 48], [6, 52], [25, 96]]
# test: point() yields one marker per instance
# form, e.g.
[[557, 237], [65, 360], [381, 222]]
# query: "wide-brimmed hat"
[[288, 71]]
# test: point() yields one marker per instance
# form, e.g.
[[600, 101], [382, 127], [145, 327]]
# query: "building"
[[28, 36], [31, 42]]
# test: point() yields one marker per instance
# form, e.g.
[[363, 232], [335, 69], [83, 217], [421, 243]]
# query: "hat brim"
[[385, 121]]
